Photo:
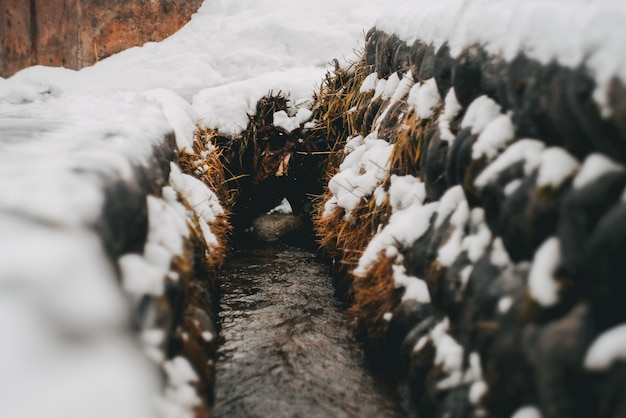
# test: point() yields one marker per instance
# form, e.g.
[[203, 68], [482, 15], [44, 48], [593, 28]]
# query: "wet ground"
[[288, 350]]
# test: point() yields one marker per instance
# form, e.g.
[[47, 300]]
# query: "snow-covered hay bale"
[[477, 212]]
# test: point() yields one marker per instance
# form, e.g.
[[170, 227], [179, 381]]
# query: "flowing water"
[[287, 349]]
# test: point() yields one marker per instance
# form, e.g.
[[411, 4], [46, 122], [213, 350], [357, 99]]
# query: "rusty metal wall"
[[77, 33]]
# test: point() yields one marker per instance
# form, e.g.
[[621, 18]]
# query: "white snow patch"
[[528, 150], [494, 138], [480, 113], [202, 199], [595, 166], [448, 203], [283, 207], [541, 282], [427, 99], [527, 412], [451, 109], [557, 165], [291, 123], [477, 242], [395, 234], [505, 304], [393, 81], [405, 191], [369, 83], [139, 277], [414, 288], [512, 187], [179, 114], [404, 87], [499, 255], [362, 170], [608, 348]]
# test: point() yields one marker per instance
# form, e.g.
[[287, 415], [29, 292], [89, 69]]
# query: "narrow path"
[[287, 350]]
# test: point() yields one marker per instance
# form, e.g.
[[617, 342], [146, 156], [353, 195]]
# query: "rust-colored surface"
[[77, 33]]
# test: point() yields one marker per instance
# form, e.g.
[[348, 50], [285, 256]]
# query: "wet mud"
[[287, 348]]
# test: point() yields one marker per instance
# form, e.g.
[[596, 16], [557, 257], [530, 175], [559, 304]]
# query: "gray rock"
[[269, 228]]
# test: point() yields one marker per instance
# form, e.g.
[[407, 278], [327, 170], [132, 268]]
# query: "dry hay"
[[375, 295], [408, 144], [339, 105], [206, 163], [345, 240]]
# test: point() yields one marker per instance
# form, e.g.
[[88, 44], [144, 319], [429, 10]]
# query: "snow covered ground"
[[64, 135]]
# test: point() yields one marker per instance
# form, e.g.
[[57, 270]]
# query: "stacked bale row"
[[167, 233], [479, 214]]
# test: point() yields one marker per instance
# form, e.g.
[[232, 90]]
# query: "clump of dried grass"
[[339, 106], [375, 294], [206, 163], [408, 145]]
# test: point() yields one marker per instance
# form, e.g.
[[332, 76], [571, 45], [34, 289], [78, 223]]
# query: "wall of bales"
[[519, 242], [174, 308], [78, 33]]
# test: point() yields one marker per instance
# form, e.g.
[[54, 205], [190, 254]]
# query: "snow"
[[541, 281], [557, 165], [451, 109], [405, 191], [480, 113], [199, 197], [499, 255], [494, 138], [505, 304], [291, 123], [595, 166], [527, 150], [448, 203], [453, 247], [393, 81], [396, 234], [608, 348], [414, 288], [527, 412], [404, 87], [479, 239], [139, 277], [359, 174], [369, 83], [427, 99]]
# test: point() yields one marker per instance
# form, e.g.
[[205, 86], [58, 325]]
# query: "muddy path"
[[287, 349]]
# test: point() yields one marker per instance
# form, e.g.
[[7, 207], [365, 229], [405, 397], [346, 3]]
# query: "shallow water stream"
[[288, 350]]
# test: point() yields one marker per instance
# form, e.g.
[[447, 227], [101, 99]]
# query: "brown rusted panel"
[[114, 25], [15, 36], [57, 32], [77, 33]]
